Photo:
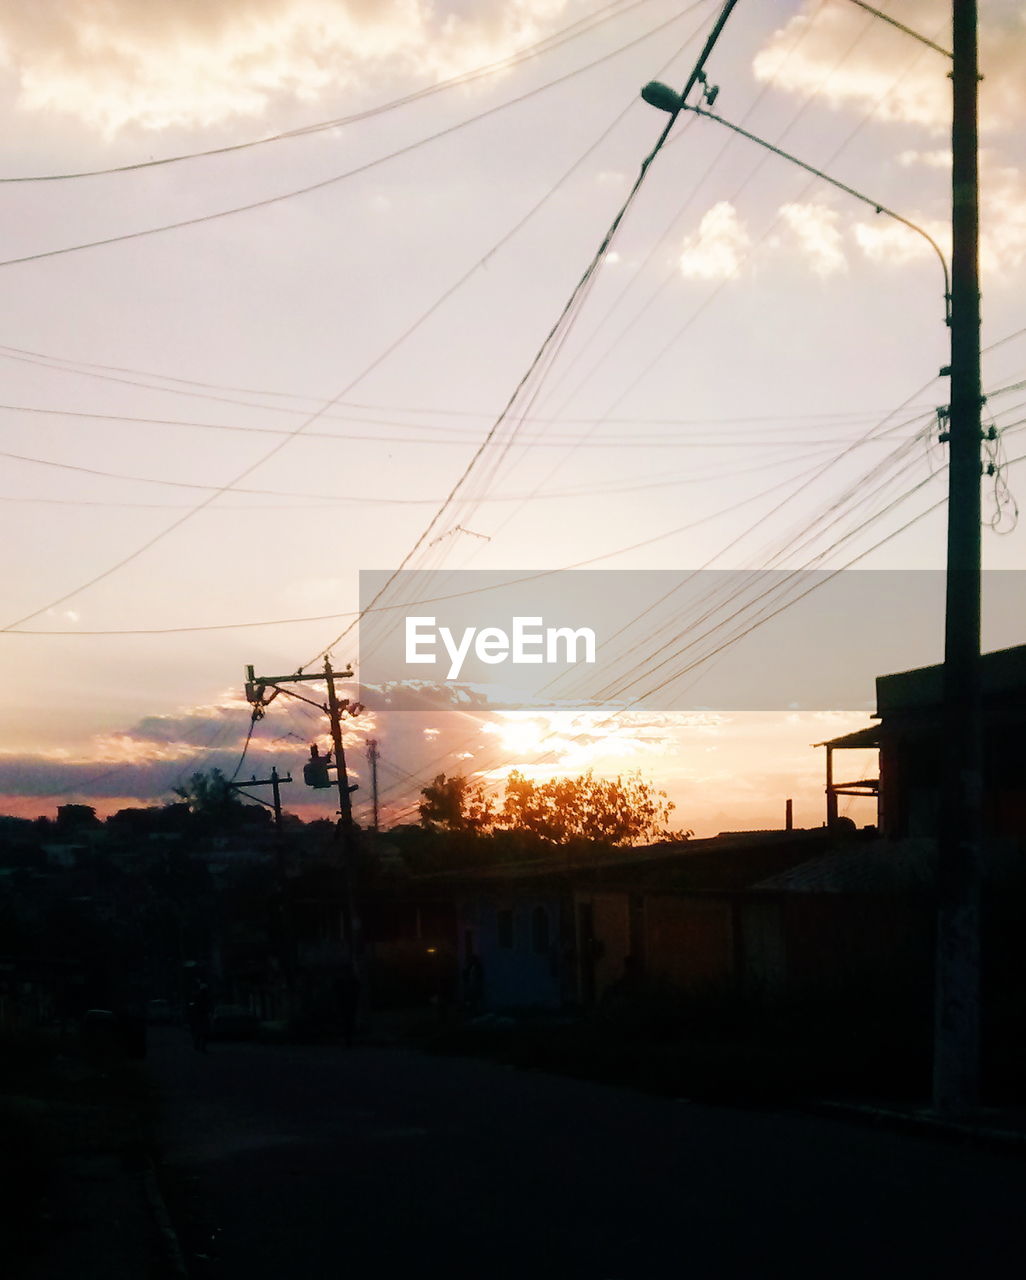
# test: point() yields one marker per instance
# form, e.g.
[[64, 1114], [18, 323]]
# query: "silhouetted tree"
[[452, 804], [215, 808], [207, 794], [72, 818], [563, 811], [587, 809]]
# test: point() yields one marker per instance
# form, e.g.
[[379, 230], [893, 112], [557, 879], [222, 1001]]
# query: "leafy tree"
[[215, 806], [76, 818], [564, 811], [453, 804], [207, 794], [587, 809]]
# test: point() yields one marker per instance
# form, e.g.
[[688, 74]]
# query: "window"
[[504, 922]]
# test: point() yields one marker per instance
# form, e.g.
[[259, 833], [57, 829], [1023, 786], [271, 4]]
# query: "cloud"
[[159, 64], [144, 761], [717, 250], [931, 159], [1002, 222], [850, 59], [730, 790], [819, 237], [892, 244]]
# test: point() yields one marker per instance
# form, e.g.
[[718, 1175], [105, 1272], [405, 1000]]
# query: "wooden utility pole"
[[274, 782], [347, 832], [256, 687], [956, 1066], [288, 942], [372, 756]]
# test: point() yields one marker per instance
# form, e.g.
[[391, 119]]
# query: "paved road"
[[321, 1162]]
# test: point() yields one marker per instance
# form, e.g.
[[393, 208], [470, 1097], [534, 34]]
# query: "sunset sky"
[[213, 426]]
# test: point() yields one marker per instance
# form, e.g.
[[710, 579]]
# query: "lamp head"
[[660, 95]]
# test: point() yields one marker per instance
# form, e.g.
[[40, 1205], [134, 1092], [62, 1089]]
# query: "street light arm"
[[886, 17], [818, 173]]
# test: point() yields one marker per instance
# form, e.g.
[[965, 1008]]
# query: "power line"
[[735, 541], [380, 359], [809, 531], [1016, 461], [755, 576], [385, 608], [822, 554], [775, 586], [572, 301], [103, 372], [267, 201], [718, 290], [709, 656], [695, 188], [245, 746], [673, 225], [608, 12], [547, 440], [886, 17], [819, 582], [327, 501]]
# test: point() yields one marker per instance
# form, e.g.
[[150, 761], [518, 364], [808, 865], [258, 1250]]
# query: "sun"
[[545, 743]]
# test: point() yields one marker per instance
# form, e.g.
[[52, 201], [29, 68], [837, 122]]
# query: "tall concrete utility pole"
[[372, 756], [956, 1067]]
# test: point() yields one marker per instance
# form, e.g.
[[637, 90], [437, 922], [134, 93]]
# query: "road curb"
[[169, 1236], [924, 1124]]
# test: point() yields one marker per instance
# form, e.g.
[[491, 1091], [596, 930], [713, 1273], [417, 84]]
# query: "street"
[[315, 1160]]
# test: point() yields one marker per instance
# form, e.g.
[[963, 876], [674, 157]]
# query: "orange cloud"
[[159, 64], [848, 58]]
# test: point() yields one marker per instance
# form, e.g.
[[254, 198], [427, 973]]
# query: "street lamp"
[[661, 96], [666, 99]]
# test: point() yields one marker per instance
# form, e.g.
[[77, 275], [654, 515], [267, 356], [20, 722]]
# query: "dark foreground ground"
[[292, 1161]]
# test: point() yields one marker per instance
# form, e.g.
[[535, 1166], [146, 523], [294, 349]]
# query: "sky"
[[208, 429]]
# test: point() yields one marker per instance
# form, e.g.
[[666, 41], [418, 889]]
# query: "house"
[[910, 740], [550, 934], [703, 922]]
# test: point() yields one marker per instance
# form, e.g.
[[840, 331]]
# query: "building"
[[910, 741], [550, 934]]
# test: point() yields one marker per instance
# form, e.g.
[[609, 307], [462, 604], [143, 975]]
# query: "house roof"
[[1002, 673], [912, 699], [879, 867], [867, 737], [891, 867], [724, 862]]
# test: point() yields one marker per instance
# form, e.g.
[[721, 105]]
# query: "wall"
[[518, 942]]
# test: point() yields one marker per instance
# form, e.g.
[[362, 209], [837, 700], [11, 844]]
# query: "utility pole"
[[347, 832], [274, 782], [956, 1066], [372, 756], [288, 950], [256, 687]]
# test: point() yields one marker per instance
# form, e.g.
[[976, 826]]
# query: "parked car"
[[232, 1022]]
